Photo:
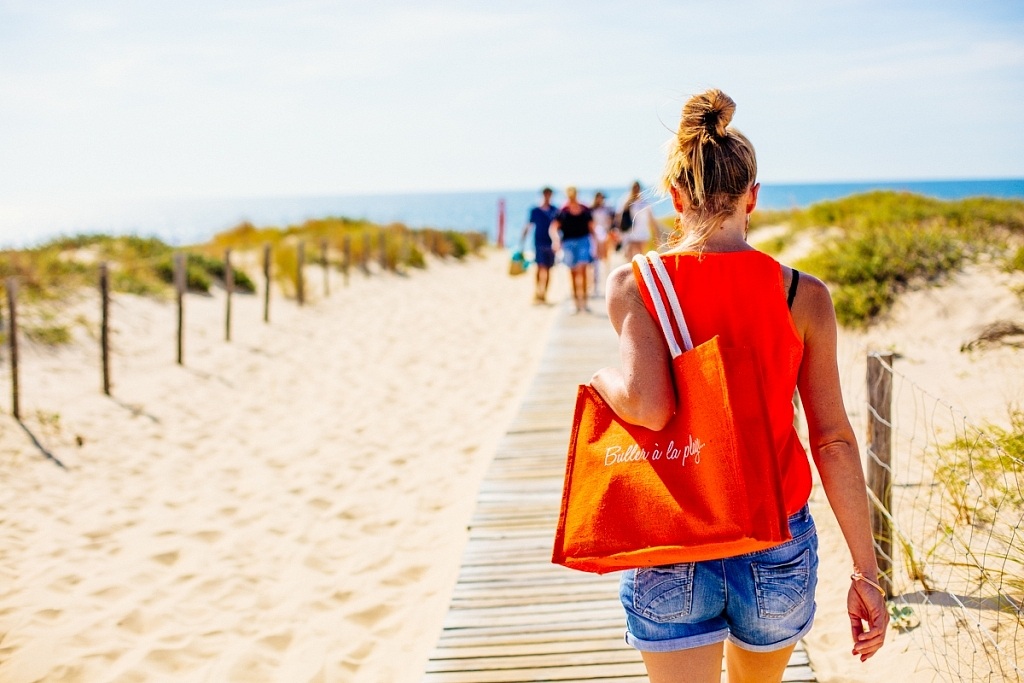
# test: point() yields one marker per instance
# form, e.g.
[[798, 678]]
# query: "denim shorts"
[[761, 601], [576, 251], [544, 256]]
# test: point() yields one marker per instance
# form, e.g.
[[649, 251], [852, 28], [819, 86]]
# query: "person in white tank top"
[[603, 219]]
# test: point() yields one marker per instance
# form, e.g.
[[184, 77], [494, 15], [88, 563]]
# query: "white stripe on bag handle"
[[673, 299], [659, 304]]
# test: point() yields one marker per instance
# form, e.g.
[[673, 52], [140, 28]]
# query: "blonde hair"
[[711, 164]]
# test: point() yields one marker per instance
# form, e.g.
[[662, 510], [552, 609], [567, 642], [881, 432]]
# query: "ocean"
[[195, 220]]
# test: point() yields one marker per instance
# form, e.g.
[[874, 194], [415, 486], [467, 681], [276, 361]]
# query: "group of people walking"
[[585, 237]]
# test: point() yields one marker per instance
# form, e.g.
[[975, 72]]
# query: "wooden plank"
[[555, 634], [505, 649], [534, 660], [583, 672]]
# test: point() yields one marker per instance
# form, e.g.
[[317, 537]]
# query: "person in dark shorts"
[[571, 233], [539, 219]]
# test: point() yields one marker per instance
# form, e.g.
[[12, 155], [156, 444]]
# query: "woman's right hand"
[[866, 605]]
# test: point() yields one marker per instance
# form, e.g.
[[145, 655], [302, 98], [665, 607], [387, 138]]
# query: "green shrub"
[[196, 277], [415, 258], [48, 334], [1015, 261], [773, 245], [872, 265], [858, 304], [762, 218], [884, 242], [459, 243], [135, 280]]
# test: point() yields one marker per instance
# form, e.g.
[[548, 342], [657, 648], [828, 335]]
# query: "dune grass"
[[55, 270], [875, 245]]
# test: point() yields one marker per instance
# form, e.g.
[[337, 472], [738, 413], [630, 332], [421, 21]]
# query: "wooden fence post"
[[879, 464], [180, 281], [12, 340], [266, 280], [364, 258], [383, 257], [323, 266], [105, 325], [300, 282], [229, 288], [403, 254], [346, 247]]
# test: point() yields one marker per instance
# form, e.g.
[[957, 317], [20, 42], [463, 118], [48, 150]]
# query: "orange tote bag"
[[707, 486]]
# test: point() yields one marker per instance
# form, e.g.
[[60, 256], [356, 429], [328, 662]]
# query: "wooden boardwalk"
[[515, 617]]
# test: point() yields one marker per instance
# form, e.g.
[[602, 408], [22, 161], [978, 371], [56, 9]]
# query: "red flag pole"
[[501, 223]]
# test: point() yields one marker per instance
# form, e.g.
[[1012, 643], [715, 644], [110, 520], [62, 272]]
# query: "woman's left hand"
[[866, 605]]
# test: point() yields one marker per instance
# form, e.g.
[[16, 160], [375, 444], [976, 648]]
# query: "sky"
[[108, 100]]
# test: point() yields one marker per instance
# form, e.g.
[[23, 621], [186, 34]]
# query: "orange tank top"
[[739, 296]]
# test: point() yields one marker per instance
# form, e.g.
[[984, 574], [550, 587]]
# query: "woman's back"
[[739, 297]]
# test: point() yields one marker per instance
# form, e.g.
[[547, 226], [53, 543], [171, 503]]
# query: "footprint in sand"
[[65, 583], [134, 622], [357, 656], [278, 642], [111, 593], [410, 575], [319, 503], [47, 615], [378, 527], [167, 559], [210, 536], [368, 617]]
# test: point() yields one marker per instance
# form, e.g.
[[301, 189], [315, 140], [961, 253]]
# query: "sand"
[[291, 506]]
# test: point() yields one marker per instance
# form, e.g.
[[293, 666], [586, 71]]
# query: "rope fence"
[[947, 512]]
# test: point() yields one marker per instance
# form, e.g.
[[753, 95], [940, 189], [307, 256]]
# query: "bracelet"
[[858, 576]]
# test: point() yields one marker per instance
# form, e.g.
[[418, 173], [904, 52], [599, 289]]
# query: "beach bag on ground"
[[707, 486], [517, 266]]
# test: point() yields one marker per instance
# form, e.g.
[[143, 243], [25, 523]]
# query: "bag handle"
[[659, 298], [673, 298]]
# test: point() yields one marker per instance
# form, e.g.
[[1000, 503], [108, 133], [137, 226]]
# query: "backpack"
[[626, 219]]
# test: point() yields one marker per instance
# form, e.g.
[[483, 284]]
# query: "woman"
[[681, 615], [571, 233], [635, 222], [603, 216]]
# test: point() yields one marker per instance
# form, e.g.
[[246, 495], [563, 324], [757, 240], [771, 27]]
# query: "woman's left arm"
[[834, 448], [641, 391]]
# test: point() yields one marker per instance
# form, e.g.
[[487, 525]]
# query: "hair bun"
[[708, 113]]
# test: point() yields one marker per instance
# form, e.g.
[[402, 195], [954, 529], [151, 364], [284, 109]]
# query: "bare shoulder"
[[623, 295], [812, 307], [622, 284]]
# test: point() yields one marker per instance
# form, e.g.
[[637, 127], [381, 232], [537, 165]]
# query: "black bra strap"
[[792, 288]]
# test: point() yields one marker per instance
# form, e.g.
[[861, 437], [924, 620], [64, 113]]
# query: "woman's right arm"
[[834, 449], [555, 235], [641, 391]]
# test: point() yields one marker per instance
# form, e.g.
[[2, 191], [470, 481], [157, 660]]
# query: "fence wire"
[[957, 537]]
